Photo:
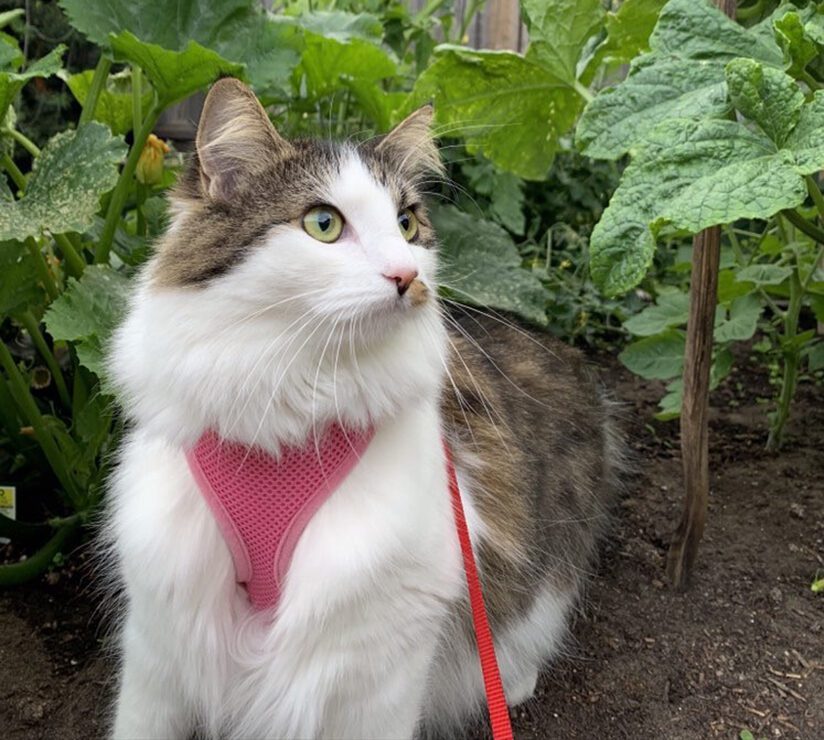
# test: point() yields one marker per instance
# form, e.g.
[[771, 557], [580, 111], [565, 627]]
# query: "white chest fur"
[[350, 648]]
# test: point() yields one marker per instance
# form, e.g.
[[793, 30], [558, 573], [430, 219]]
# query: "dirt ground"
[[742, 649]]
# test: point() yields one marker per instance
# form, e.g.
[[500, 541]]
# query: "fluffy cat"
[[245, 324]]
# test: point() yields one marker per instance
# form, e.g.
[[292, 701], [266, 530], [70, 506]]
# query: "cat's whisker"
[[276, 386], [504, 375], [493, 315], [309, 315], [458, 395], [315, 436], [485, 402]]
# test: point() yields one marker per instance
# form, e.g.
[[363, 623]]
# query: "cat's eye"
[[408, 224], [323, 223]]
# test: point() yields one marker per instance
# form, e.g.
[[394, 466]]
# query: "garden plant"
[[691, 118]]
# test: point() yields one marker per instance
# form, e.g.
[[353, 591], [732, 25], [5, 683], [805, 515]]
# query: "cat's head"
[[294, 275], [346, 222]]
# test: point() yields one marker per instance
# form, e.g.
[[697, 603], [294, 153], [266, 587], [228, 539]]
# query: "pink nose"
[[402, 277]]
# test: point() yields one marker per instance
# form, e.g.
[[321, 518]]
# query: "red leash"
[[495, 697]]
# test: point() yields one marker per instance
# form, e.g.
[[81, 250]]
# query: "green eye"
[[323, 223], [408, 224]]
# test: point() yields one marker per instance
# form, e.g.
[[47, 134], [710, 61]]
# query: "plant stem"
[[801, 223], [583, 92], [815, 194], [101, 72], [8, 415], [74, 262], [469, 14], [28, 532], [24, 141], [113, 214], [137, 94], [791, 358], [42, 268], [141, 192], [20, 392], [17, 573], [31, 325], [816, 262], [14, 171], [743, 262], [743, 14], [810, 81]]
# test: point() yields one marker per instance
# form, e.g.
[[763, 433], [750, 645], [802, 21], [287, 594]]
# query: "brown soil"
[[742, 649]]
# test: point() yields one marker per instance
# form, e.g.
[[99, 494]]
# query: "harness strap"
[[495, 697]]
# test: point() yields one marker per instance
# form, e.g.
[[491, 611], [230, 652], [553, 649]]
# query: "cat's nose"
[[402, 277]]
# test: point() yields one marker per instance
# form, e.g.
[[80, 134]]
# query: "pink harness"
[[262, 504]]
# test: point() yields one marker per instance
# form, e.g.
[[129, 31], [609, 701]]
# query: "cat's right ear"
[[235, 140]]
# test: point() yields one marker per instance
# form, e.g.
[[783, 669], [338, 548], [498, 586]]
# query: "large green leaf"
[[87, 312], [73, 171], [697, 29], [504, 190], [695, 174], [114, 105], [174, 75], [657, 89], [18, 288], [558, 31], [682, 77], [807, 139], [210, 37], [628, 32], [481, 265], [339, 25], [12, 82], [269, 49], [765, 95], [327, 62], [167, 23], [504, 106]]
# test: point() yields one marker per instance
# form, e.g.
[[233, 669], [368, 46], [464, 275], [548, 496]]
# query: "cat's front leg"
[[390, 709], [149, 703]]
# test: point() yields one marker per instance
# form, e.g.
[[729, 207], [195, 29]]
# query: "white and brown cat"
[[295, 289]]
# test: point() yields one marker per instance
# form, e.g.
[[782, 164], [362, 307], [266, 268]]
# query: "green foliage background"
[[578, 170]]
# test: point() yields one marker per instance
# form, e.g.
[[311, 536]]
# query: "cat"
[[295, 288]]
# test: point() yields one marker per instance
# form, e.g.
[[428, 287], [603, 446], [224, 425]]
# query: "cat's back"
[[542, 448]]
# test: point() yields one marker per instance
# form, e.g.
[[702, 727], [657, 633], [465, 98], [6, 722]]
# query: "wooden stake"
[[695, 406]]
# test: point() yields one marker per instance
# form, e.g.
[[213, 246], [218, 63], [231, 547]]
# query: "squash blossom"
[[150, 165]]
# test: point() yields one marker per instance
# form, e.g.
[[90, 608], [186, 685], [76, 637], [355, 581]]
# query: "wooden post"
[[502, 24], [695, 406]]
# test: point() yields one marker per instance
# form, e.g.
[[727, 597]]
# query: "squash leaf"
[[74, 169], [480, 265]]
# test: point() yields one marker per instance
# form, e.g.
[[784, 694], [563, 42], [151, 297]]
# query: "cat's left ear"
[[411, 146], [235, 140]]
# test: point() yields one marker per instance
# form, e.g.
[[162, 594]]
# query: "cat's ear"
[[411, 146], [235, 139]]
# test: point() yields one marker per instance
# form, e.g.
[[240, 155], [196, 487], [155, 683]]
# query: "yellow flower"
[[566, 264], [150, 165]]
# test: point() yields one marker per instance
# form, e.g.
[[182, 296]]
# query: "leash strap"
[[495, 697]]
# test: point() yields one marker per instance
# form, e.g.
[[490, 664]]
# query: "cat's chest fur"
[[379, 561]]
